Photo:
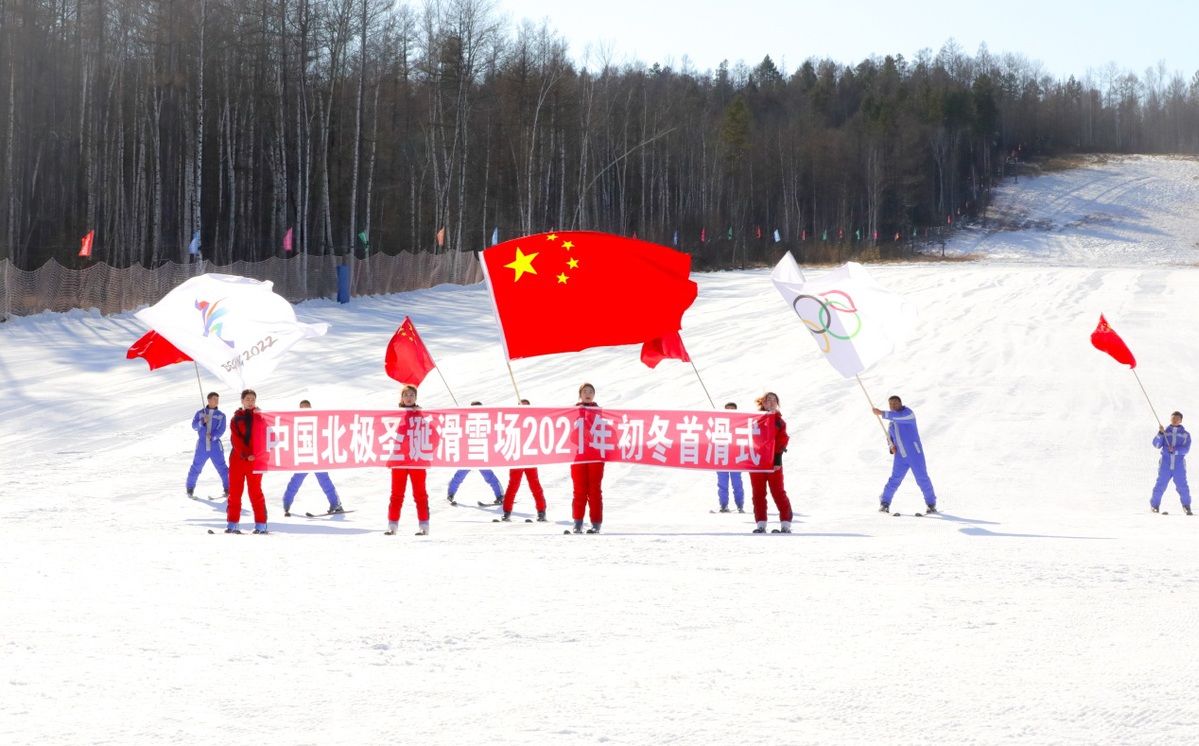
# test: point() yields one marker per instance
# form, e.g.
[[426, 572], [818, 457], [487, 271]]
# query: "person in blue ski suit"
[[1174, 442], [909, 454], [209, 424], [488, 476], [724, 478], [322, 478]]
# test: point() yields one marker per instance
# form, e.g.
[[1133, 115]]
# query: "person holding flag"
[[1174, 442], [248, 446], [587, 480], [908, 452], [322, 478], [514, 477], [759, 481], [400, 476], [209, 424]]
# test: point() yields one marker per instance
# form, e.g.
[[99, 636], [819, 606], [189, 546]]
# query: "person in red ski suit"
[[759, 481], [247, 450], [514, 477], [400, 477], [587, 479]]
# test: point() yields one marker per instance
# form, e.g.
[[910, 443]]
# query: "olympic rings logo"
[[820, 323]]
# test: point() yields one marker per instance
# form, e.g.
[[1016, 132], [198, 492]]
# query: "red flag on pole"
[[563, 292], [1105, 339], [287, 240], [85, 246], [441, 237], [156, 350], [407, 359], [666, 347]]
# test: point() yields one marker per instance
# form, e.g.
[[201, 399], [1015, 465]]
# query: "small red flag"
[[407, 359], [287, 241], [666, 347], [1106, 340], [568, 291], [703, 235], [441, 237], [156, 350], [85, 246]]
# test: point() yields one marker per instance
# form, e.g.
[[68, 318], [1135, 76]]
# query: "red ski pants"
[[514, 477], [588, 494], [241, 476], [758, 482], [399, 480]]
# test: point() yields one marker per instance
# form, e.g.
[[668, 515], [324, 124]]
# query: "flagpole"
[[203, 403], [512, 375], [698, 377], [886, 435], [447, 386], [1146, 393]]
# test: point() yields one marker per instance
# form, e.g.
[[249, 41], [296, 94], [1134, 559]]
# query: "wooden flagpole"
[[886, 435], [1146, 393]]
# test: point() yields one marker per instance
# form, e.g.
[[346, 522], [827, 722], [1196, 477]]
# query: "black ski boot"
[[541, 516]]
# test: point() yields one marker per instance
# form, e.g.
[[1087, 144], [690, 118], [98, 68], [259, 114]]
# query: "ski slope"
[[1047, 605]]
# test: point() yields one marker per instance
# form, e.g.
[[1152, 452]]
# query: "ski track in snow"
[[1046, 606]]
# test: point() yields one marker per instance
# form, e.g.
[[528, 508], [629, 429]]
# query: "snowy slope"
[[1047, 605], [1112, 211]]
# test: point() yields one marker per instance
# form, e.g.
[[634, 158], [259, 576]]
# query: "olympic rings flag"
[[236, 327], [852, 319]]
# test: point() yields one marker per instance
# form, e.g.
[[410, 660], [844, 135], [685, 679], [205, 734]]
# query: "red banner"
[[498, 437]]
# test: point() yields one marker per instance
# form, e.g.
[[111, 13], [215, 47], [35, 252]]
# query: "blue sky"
[[1066, 37]]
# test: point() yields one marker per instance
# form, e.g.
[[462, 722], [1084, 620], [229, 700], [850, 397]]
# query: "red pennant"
[[666, 347], [1105, 339], [407, 359], [156, 350]]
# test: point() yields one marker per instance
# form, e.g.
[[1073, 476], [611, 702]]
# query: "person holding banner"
[[322, 478], [587, 480], [209, 424], [909, 454], [1174, 442], [488, 476], [514, 477], [400, 477], [724, 478], [247, 445], [759, 481]]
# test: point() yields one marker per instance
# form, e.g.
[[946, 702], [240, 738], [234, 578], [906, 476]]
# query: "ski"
[[326, 515], [490, 505]]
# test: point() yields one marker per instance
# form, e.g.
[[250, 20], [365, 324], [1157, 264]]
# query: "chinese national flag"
[[568, 291], [668, 347], [85, 245], [407, 360], [156, 350], [1106, 340]]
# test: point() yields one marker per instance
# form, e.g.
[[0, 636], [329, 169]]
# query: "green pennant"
[[362, 238]]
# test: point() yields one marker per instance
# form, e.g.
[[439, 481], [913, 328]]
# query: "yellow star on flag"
[[568, 245], [552, 237], [522, 264], [562, 278], [573, 263]]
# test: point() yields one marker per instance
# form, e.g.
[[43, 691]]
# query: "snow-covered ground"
[[1111, 211], [1047, 605]]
